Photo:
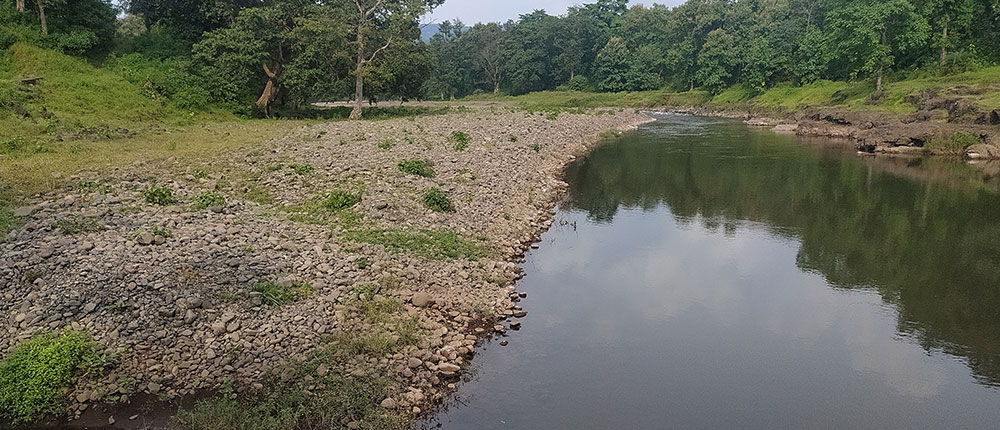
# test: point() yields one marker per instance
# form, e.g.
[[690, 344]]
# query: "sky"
[[474, 11]]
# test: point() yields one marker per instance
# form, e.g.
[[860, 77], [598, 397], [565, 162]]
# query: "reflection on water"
[[718, 276]]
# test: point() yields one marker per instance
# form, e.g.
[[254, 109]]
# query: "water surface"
[[702, 274]]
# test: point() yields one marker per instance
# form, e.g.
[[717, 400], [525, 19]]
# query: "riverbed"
[[703, 274]]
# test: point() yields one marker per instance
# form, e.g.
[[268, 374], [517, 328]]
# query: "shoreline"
[[452, 313]]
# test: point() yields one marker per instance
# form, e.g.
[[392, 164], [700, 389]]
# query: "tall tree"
[[486, 40], [870, 35], [377, 22]]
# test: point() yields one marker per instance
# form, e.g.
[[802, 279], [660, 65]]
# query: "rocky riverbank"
[[192, 278], [941, 126]]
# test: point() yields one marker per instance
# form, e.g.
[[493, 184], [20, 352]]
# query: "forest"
[[253, 56]]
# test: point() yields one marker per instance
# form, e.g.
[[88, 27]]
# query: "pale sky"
[[474, 11]]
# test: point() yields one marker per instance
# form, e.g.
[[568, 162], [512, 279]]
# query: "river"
[[703, 274]]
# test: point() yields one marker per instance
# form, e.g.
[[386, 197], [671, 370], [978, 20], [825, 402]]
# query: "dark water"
[[706, 275]]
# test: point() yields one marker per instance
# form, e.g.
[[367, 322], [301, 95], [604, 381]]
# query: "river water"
[[703, 274]]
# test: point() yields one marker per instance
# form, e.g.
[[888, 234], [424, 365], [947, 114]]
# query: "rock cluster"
[[168, 290]]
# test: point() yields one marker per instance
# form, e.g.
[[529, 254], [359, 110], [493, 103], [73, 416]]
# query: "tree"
[[452, 73], [612, 66], [486, 40], [715, 61], [870, 35], [376, 21], [950, 20]]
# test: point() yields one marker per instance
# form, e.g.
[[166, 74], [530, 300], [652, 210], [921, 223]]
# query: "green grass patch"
[[160, 196], [460, 140], [33, 375], [956, 144], [77, 224], [276, 294], [427, 243], [339, 200], [417, 167], [437, 200], [208, 199], [301, 169]]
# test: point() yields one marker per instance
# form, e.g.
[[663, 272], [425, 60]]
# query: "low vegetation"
[[33, 375], [160, 196], [437, 200], [77, 224], [417, 167], [460, 140], [277, 294], [427, 243], [339, 200], [208, 200], [957, 143]]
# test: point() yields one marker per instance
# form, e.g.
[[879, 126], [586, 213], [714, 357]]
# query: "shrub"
[[207, 200], [157, 195], [461, 140], [955, 144], [340, 200], [416, 167], [438, 201], [78, 224], [535, 147], [277, 295], [33, 374], [301, 169]]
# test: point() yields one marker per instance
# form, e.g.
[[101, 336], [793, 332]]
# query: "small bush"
[[78, 224], [535, 147], [461, 140], [385, 145], [416, 167], [161, 196], [33, 374], [955, 144], [340, 200], [512, 138], [207, 200], [301, 169], [277, 295], [438, 201]]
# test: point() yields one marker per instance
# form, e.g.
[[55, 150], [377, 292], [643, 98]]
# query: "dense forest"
[[252, 56]]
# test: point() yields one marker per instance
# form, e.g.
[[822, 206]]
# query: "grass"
[[33, 375], [277, 295], [439, 245], [301, 169], [207, 200], [956, 144], [436, 200], [339, 200], [160, 196], [460, 140], [77, 224], [417, 167]]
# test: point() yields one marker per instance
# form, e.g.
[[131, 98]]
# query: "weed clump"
[[208, 200], [441, 245], [460, 139], [339, 200], [416, 167], [276, 294], [436, 200], [33, 374], [301, 169], [955, 144], [535, 147], [160, 196], [77, 224]]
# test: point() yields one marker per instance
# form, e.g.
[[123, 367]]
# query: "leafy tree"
[[950, 21], [486, 41], [377, 24], [870, 35], [613, 66], [452, 60], [715, 61]]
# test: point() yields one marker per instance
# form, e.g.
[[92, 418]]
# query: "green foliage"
[[436, 200], [460, 139], [339, 200], [301, 169], [171, 79], [157, 195], [77, 224], [955, 144], [385, 145], [207, 200], [34, 373], [276, 294], [417, 167], [440, 245]]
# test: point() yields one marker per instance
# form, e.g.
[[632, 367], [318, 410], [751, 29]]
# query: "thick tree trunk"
[[20, 6], [496, 87], [41, 17], [944, 46], [359, 79], [271, 91]]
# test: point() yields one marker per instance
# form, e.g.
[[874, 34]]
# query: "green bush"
[[207, 200], [301, 169], [340, 200], [166, 78], [416, 167], [438, 201], [461, 140], [157, 195], [955, 144], [33, 374]]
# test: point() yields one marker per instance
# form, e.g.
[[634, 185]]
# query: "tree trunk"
[[496, 86], [944, 46], [359, 79], [692, 86], [41, 17], [20, 6], [878, 81], [271, 90]]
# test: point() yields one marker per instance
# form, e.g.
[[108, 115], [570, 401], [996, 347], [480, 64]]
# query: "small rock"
[[145, 239], [153, 388], [388, 403], [322, 371], [422, 299], [414, 362]]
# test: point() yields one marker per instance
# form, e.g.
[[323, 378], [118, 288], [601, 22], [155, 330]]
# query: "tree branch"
[[377, 51]]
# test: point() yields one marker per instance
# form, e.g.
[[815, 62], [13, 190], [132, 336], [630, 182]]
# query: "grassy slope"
[[981, 87]]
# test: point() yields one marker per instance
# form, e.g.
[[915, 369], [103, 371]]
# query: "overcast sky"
[[473, 11]]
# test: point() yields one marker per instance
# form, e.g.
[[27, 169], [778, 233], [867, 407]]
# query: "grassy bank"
[[981, 88]]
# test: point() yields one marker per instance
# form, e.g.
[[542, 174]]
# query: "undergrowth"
[[427, 243]]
